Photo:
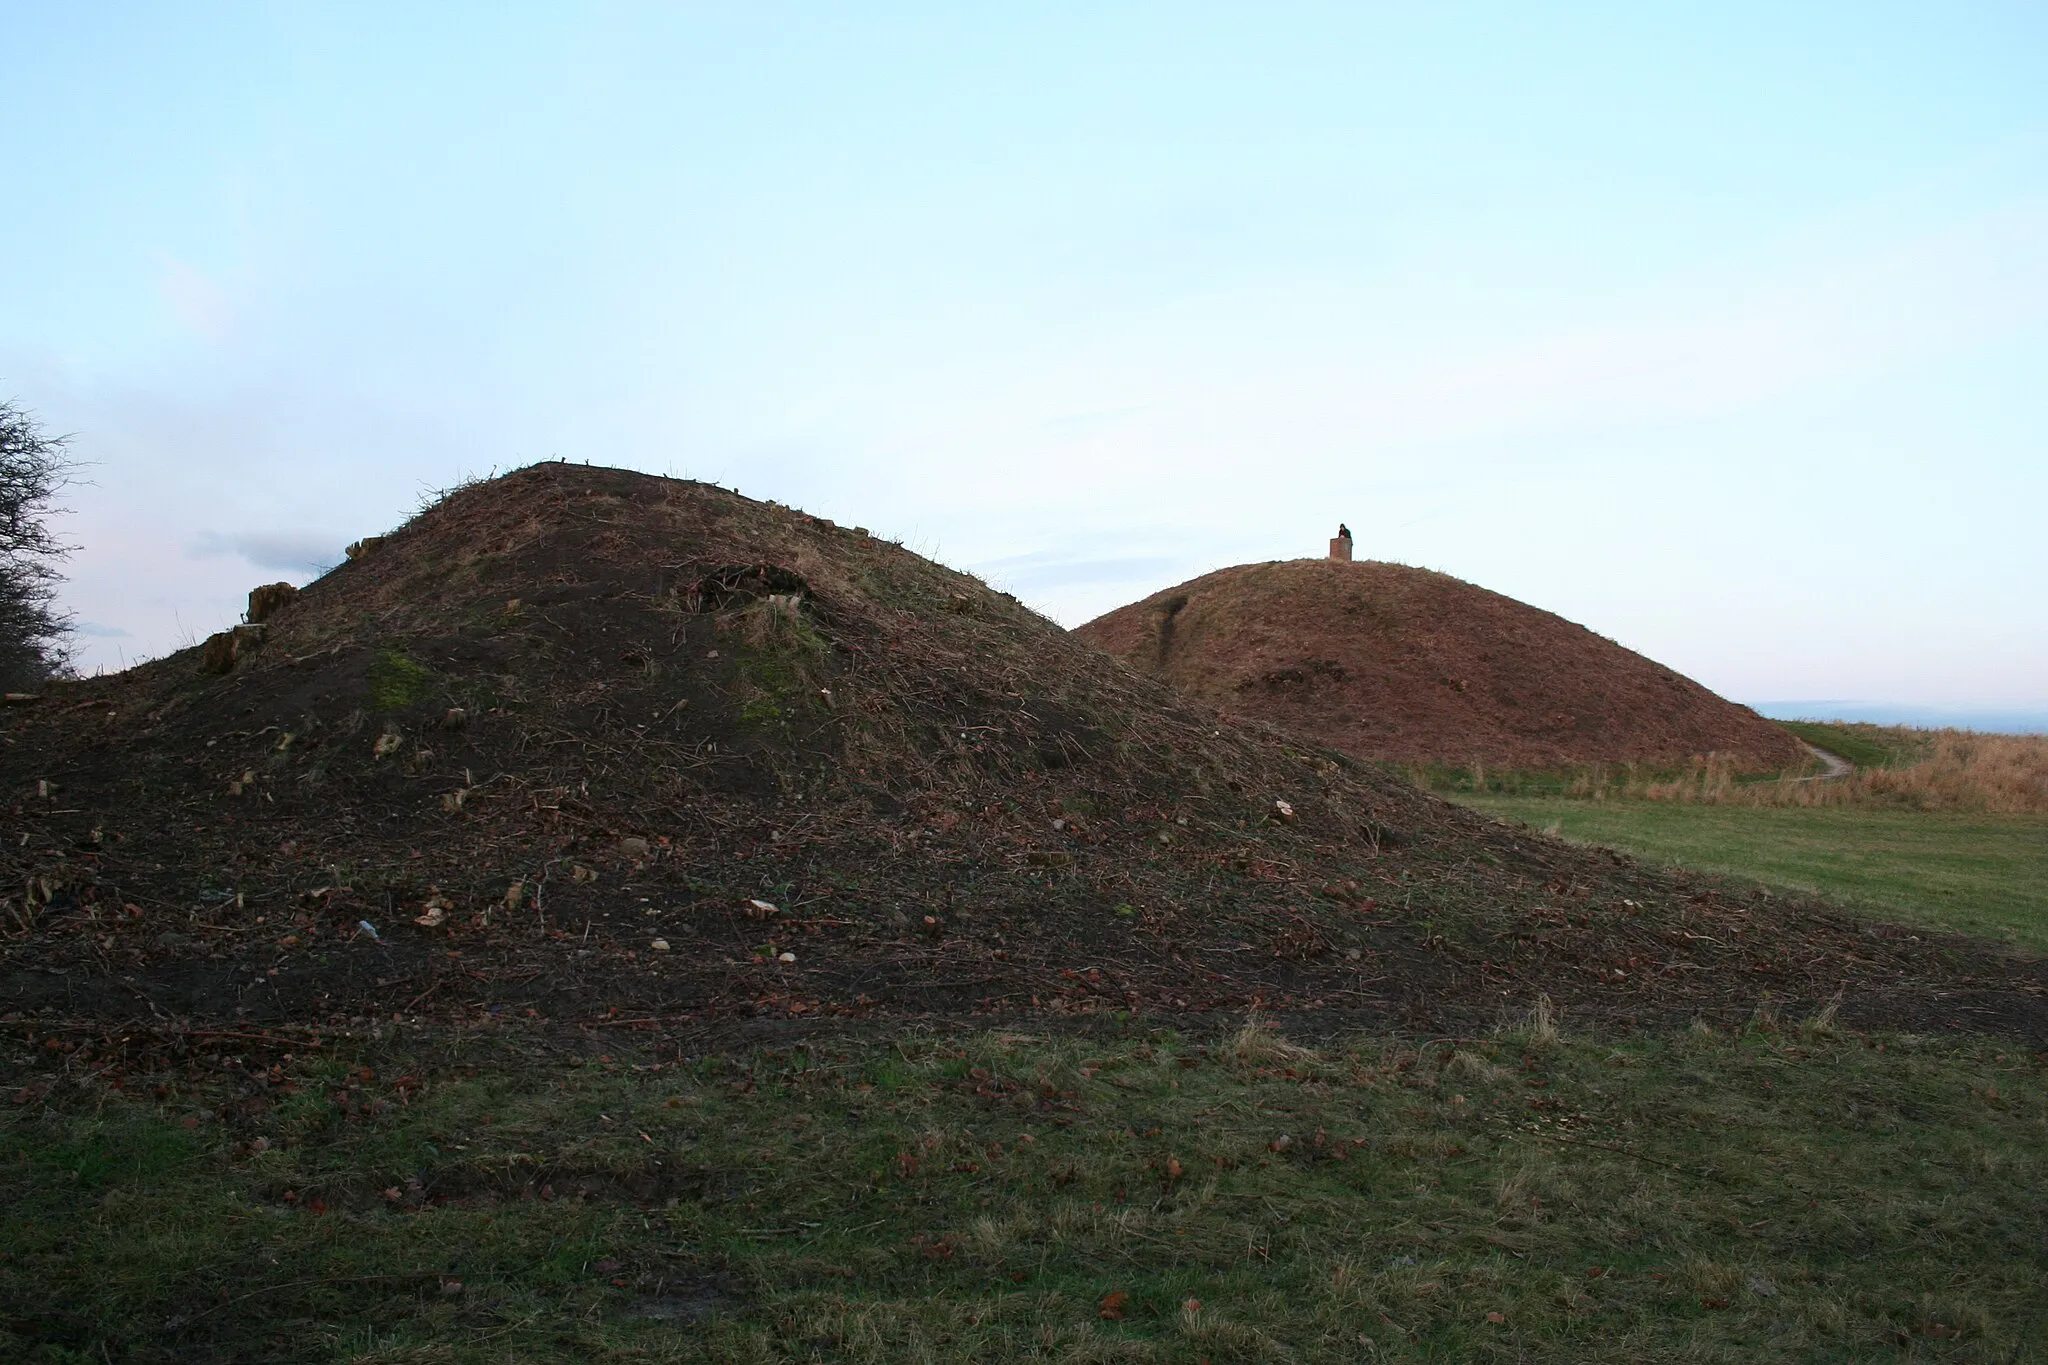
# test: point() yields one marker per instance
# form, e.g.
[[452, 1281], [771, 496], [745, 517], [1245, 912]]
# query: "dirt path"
[[1838, 767]]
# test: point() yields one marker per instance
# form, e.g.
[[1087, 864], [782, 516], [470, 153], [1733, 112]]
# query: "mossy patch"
[[397, 682], [783, 662]]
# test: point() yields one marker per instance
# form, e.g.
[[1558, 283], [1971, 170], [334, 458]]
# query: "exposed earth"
[[1389, 662], [584, 747]]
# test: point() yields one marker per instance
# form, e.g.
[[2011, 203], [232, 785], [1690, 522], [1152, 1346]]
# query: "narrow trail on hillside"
[[1838, 767]]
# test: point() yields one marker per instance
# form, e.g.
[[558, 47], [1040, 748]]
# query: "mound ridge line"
[[1407, 665], [570, 712]]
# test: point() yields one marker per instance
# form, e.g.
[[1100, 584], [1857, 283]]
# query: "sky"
[[1720, 329]]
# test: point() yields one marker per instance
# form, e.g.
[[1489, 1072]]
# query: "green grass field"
[[1977, 874], [1781, 1193]]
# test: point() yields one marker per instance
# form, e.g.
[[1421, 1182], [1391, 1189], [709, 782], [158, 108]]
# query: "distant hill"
[[1385, 661], [1993, 720]]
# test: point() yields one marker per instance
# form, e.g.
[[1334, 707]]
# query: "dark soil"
[[1400, 664], [481, 773]]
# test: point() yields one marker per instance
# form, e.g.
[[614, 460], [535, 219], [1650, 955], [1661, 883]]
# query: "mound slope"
[[586, 746], [1390, 662]]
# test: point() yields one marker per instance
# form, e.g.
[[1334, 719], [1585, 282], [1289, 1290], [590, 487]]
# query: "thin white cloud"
[[303, 552]]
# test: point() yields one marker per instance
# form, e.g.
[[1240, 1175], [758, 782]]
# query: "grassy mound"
[[1390, 662]]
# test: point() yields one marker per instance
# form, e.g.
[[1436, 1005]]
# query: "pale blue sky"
[[1722, 329]]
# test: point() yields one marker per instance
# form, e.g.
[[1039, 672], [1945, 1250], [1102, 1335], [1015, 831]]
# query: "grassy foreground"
[[1781, 1193], [1972, 873]]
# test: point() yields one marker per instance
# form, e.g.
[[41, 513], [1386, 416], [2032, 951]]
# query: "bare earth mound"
[[1389, 662], [587, 747]]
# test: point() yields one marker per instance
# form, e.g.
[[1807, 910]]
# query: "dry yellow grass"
[[1957, 770]]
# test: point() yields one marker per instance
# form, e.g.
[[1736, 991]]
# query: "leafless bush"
[[34, 632]]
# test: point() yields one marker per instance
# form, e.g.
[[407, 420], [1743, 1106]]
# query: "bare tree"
[[34, 631]]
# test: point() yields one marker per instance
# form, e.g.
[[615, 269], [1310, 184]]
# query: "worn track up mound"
[[1395, 663], [590, 747]]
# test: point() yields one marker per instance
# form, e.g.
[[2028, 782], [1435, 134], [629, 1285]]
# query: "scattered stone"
[[633, 846]]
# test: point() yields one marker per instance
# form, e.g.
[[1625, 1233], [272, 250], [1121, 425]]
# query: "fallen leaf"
[[1496, 1317], [1713, 1303], [1113, 1305]]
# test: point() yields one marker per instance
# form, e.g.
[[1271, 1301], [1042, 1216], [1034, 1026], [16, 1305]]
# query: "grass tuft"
[[1537, 1028], [1259, 1043], [1822, 1024]]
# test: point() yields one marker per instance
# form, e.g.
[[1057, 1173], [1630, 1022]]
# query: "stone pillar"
[[1340, 548]]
